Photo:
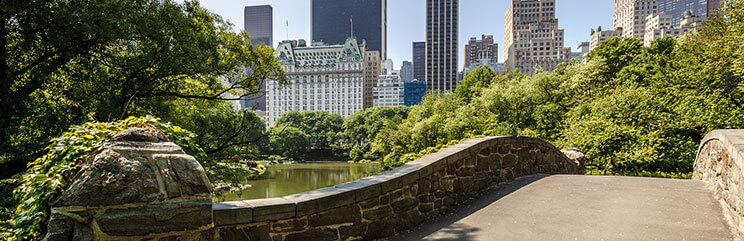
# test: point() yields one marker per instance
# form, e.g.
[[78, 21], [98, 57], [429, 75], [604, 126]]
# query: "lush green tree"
[[288, 141], [225, 133], [474, 82], [322, 127], [363, 126], [631, 109], [62, 60], [427, 125], [616, 53]]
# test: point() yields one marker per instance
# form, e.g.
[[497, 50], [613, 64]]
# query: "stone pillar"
[[140, 186], [575, 155]]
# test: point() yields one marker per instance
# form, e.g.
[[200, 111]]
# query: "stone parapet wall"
[[719, 163], [392, 201]]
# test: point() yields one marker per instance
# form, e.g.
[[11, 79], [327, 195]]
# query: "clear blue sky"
[[406, 20]]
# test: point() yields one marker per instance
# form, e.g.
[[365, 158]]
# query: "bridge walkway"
[[569, 207]]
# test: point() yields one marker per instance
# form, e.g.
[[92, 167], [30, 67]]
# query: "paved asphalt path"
[[566, 207]]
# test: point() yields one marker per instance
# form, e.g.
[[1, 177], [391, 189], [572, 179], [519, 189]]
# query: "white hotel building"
[[320, 77]]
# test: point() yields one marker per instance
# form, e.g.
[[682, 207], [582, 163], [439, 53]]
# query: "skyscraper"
[[442, 18], [372, 68], [331, 22], [677, 8], [419, 60], [531, 37], [259, 25], [630, 16], [406, 71]]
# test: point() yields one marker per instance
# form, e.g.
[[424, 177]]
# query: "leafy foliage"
[[50, 174], [288, 141], [321, 127], [61, 60], [632, 110], [361, 128], [474, 82]]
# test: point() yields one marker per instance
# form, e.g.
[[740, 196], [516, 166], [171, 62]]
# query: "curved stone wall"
[[719, 163], [392, 201]]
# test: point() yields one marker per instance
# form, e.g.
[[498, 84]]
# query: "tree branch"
[[211, 97]]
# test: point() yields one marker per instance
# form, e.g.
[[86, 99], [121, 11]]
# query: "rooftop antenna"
[[287, 29], [351, 20]]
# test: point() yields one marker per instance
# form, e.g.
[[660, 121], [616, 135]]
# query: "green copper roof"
[[327, 55]]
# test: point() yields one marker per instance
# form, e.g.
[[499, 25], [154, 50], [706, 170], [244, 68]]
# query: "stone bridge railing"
[[719, 163], [392, 201], [141, 186]]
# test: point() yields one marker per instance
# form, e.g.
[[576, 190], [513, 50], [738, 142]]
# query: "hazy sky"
[[406, 20]]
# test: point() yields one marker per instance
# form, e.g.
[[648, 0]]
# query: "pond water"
[[281, 180]]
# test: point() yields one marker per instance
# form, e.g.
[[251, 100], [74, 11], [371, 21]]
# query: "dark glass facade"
[[677, 8], [413, 92], [406, 71], [419, 60], [331, 22], [259, 23]]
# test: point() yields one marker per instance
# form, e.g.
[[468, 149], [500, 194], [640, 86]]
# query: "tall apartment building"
[[258, 22], [600, 36], [483, 52], [406, 71], [677, 8], [485, 48], [688, 23], [372, 68], [630, 16], [332, 20], [321, 77], [419, 60], [389, 89], [531, 37], [656, 21], [442, 21]]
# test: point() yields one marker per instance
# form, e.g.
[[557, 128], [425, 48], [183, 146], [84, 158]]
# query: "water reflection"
[[281, 180]]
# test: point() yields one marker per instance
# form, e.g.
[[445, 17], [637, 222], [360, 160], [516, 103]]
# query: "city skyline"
[[407, 19]]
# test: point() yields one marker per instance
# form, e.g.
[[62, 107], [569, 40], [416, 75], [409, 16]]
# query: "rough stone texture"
[[139, 187], [140, 135], [393, 201], [155, 218], [719, 163], [575, 155]]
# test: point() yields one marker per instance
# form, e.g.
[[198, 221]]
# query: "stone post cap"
[[575, 155], [140, 134]]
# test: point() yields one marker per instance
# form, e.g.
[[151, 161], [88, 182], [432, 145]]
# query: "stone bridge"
[[493, 188]]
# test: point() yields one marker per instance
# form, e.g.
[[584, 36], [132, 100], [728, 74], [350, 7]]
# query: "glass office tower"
[[331, 22]]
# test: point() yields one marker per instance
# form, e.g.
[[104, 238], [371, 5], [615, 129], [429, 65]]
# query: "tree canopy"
[[63, 61]]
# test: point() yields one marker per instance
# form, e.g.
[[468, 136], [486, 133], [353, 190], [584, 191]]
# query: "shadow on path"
[[446, 225]]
